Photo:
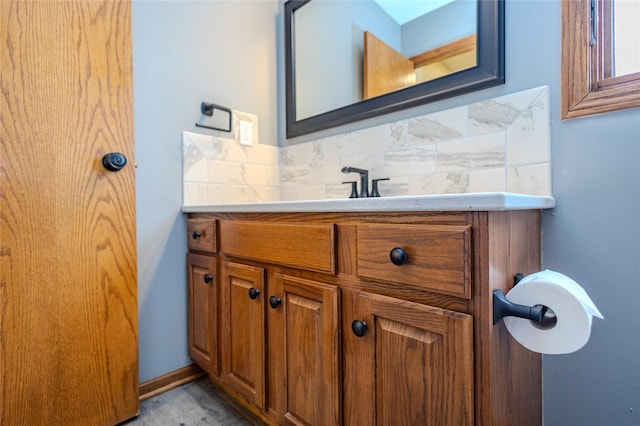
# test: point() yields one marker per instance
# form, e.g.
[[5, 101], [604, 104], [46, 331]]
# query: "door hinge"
[[593, 20]]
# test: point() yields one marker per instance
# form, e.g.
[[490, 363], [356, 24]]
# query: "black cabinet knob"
[[398, 256], [359, 328], [253, 293], [114, 161], [208, 278], [274, 301], [196, 235]]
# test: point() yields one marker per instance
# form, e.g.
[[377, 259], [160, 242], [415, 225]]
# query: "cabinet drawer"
[[438, 256], [201, 234], [307, 246]]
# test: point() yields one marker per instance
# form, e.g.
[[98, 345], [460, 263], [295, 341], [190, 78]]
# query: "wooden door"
[[68, 314], [413, 364], [385, 69], [243, 349], [308, 316], [203, 311]]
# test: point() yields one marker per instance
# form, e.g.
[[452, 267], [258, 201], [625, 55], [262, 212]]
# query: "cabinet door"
[[243, 331], [308, 316], [413, 365], [203, 311]]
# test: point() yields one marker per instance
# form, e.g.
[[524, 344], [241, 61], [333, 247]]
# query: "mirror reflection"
[[349, 51]]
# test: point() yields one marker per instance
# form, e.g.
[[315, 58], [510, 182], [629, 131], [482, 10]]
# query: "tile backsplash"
[[502, 144], [219, 170]]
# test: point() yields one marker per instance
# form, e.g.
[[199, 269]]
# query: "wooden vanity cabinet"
[[203, 294], [298, 368], [335, 333], [290, 368], [305, 347], [243, 334], [407, 363], [203, 311]]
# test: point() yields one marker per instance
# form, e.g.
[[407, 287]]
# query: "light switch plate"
[[246, 133]]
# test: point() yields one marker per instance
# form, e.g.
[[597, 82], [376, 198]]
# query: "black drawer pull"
[[208, 278], [398, 256], [196, 235], [359, 328], [253, 293], [274, 301]]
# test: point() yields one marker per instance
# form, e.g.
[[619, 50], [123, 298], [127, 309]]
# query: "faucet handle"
[[374, 187], [354, 188]]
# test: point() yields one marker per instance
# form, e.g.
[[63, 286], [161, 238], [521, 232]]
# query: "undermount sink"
[[483, 201]]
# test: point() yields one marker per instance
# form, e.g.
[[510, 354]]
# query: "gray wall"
[[444, 25], [329, 68], [186, 52], [592, 235]]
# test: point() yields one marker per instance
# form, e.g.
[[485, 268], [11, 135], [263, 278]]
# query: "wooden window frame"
[[585, 88]]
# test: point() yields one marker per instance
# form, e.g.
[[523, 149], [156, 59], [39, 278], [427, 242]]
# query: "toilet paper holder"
[[539, 314]]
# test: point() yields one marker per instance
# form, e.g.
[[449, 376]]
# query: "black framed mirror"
[[306, 67]]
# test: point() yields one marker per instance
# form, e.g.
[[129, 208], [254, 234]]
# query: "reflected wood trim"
[[445, 51], [169, 381], [582, 93]]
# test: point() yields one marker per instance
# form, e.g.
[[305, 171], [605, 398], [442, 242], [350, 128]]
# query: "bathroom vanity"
[[369, 311]]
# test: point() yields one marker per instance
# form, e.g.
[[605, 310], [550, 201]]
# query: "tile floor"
[[199, 403]]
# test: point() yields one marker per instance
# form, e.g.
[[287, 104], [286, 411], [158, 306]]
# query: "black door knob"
[[253, 293], [208, 278], [274, 301], [196, 235], [359, 328], [398, 256], [114, 161]]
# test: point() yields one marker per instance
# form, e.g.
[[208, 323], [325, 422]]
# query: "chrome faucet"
[[364, 179]]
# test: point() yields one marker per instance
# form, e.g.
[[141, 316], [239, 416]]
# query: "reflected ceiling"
[[403, 11]]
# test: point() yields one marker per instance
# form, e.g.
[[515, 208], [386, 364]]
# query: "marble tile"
[[491, 116], [226, 172], [327, 172], [196, 171], [294, 191], [376, 139], [486, 151], [337, 191], [225, 194], [372, 162], [194, 194], [340, 146], [498, 114], [437, 127], [490, 180], [529, 137], [411, 161], [440, 183], [295, 174], [399, 134], [212, 147], [194, 167], [531, 180], [495, 145], [394, 187], [306, 153], [287, 156]]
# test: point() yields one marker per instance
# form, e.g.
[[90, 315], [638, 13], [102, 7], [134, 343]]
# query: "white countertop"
[[483, 201]]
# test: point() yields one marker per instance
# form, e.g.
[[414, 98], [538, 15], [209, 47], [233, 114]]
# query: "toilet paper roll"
[[570, 303]]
